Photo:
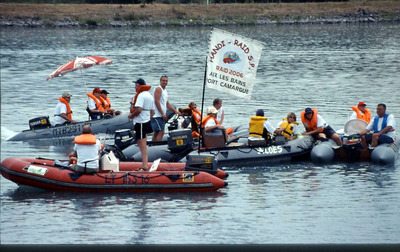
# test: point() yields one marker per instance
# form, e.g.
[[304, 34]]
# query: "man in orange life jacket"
[[210, 122], [142, 109], [361, 112], [317, 127], [86, 155], [95, 107], [106, 103], [62, 112], [383, 127]]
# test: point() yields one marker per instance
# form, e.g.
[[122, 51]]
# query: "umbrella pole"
[[84, 80]]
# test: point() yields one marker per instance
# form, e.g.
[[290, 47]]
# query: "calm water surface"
[[329, 67]]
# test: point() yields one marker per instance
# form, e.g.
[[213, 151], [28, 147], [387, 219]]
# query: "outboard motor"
[[201, 162], [352, 145], [179, 140], [39, 123], [123, 138], [173, 125]]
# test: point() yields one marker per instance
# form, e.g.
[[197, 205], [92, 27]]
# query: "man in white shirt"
[[161, 104], [383, 128], [217, 104], [62, 112], [95, 106], [141, 111], [317, 127], [86, 155]]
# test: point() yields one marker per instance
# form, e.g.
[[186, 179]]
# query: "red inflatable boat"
[[171, 177]]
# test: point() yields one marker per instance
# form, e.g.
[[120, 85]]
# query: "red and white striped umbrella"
[[79, 63]]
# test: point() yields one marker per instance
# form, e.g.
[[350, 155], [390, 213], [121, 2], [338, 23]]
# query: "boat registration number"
[[37, 170]]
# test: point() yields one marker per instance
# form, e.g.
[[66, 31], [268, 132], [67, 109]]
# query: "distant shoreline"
[[116, 15]]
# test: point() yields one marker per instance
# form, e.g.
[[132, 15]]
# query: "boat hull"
[[44, 174], [384, 154], [108, 126], [235, 155]]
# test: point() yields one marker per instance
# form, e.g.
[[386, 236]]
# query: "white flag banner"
[[232, 63]]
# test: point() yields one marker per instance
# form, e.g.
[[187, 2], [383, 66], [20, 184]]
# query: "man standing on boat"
[[86, 155], [142, 109], [361, 112], [63, 112], [161, 104], [317, 127], [383, 127]]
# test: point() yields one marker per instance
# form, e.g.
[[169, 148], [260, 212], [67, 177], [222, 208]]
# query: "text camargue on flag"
[[232, 63]]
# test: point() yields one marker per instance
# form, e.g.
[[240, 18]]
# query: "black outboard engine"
[[123, 138], [173, 125], [39, 123], [201, 162], [179, 140], [352, 145]]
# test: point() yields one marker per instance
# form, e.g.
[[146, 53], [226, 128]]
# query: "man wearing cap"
[[361, 112], [106, 102], [259, 126], [142, 108], [317, 127], [210, 122], [161, 104], [63, 112], [95, 107], [383, 127]]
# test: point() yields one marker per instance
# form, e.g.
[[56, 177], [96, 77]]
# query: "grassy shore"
[[196, 14]]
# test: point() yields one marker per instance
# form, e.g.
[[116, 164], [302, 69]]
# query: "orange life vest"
[[366, 116], [309, 125], [140, 89], [99, 105], [106, 103], [69, 111], [205, 120], [86, 139], [196, 115]]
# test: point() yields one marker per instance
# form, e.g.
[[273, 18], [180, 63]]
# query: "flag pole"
[[202, 105]]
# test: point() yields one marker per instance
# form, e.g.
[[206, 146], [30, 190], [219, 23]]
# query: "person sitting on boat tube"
[[210, 122], [195, 119], [63, 112], [383, 127], [289, 127], [86, 152], [361, 112], [95, 107], [260, 127], [317, 127], [106, 103]]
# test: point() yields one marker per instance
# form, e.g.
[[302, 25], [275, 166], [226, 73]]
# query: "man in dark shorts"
[[142, 109], [383, 127], [317, 127]]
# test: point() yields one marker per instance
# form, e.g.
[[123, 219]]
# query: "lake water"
[[329, 67]]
